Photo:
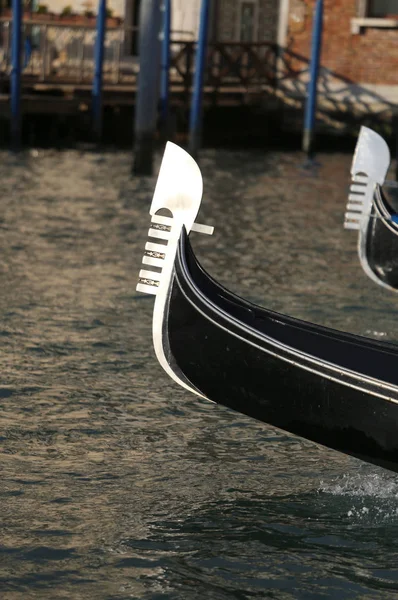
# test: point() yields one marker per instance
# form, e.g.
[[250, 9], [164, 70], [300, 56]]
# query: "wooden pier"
[[58, 71]]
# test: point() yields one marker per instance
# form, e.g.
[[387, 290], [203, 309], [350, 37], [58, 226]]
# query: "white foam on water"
[[373, 513], [372, 484], [376, 334], [375, 495]]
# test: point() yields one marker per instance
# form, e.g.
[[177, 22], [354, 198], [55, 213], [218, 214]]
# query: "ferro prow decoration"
[[370, 209], [178, 191], [331, 387]]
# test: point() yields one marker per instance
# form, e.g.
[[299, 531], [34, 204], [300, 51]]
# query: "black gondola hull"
[[332, 387], [380, 250], [256, 377]]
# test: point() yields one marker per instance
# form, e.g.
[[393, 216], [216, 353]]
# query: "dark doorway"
[[135, 25], [247, 22], [131, 23]]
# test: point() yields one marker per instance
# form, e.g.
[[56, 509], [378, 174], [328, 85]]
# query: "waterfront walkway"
[[58, 61]]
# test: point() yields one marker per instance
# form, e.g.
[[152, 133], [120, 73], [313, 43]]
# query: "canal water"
[[115, 483]]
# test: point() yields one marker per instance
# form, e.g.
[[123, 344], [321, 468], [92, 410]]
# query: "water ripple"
[[115, 483]]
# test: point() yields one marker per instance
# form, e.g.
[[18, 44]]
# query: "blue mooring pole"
[[99, 60], [310, 108], [165, 64], [195, 121], [16, 74]]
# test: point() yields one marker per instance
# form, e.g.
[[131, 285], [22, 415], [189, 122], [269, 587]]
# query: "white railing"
[[67, 52]]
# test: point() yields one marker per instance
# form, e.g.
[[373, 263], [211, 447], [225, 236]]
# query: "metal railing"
[[66, 51], [228, 65]]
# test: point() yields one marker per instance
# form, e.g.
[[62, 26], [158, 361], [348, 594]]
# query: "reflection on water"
[[116, 483]]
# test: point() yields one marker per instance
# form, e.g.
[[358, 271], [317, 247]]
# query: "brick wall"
[[370, 57]]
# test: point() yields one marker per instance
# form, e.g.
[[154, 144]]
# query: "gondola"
[[334, 388], [372, 210]]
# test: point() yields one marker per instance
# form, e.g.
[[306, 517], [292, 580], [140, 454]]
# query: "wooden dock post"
[[148, 87], [195, 120], [98, 70], [310, 108], [15, 82]]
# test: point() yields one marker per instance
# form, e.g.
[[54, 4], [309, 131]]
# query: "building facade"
[[360, 42], [77, 6], [245, 20], [230, 20]]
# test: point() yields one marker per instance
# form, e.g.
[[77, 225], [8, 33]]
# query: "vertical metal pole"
[[165, 63], [310, 109], [195, 121], [148, 87], [16, 74], [99, 59]]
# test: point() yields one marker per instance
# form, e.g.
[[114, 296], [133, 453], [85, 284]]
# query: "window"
[[375, 13], [247, 21], [382, 8], [131, 25]]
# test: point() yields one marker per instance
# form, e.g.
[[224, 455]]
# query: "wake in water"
[[375, 494]]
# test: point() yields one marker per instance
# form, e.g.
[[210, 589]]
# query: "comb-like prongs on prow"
[[148, 282], [178, 191], [161, 232], [368, 169], [168, 221], [207, 229]]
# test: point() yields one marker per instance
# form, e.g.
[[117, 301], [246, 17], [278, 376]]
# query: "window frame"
[[239, 20], [363, 20], [388, 16]]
